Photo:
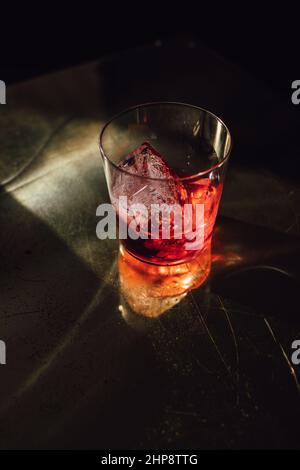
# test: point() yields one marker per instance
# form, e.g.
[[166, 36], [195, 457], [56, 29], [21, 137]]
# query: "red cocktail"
[[165, 166]]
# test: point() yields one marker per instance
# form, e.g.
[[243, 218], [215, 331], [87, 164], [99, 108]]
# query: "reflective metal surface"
[[83, 370]]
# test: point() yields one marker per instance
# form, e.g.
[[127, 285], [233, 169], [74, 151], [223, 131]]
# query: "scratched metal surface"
[[212, 372]]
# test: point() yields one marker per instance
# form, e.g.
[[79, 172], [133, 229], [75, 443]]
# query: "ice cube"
[[146, 161], [143, 163]]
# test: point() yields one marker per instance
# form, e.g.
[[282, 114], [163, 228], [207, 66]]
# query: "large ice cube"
[[141, 165]]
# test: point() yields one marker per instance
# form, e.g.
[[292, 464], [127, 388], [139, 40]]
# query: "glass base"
[[151, 290]]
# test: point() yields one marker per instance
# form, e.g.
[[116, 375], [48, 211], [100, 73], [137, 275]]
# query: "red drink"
[[157, 183]]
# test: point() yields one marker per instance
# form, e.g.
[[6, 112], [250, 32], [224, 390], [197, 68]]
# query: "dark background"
[[48, 38]]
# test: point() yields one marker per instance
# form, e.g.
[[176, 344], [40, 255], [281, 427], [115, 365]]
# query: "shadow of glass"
[[257, 267]]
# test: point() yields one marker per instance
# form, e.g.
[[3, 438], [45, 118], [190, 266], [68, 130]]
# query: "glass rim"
[[156, 103]]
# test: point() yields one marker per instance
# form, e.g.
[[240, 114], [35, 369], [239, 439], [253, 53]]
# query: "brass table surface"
[[213, 371]]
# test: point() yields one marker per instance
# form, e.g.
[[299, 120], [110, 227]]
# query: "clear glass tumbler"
[[161, 156]]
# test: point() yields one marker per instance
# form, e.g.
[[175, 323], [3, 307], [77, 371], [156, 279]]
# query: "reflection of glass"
[[166, 153], [151, 290]]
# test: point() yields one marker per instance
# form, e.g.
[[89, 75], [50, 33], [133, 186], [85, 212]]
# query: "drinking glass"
[[171, 155]]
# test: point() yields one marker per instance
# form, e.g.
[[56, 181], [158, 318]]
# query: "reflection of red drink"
[[157, 183], [150, 290]]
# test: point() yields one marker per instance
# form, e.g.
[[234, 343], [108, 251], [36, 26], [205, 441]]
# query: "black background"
[[49, 37]]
